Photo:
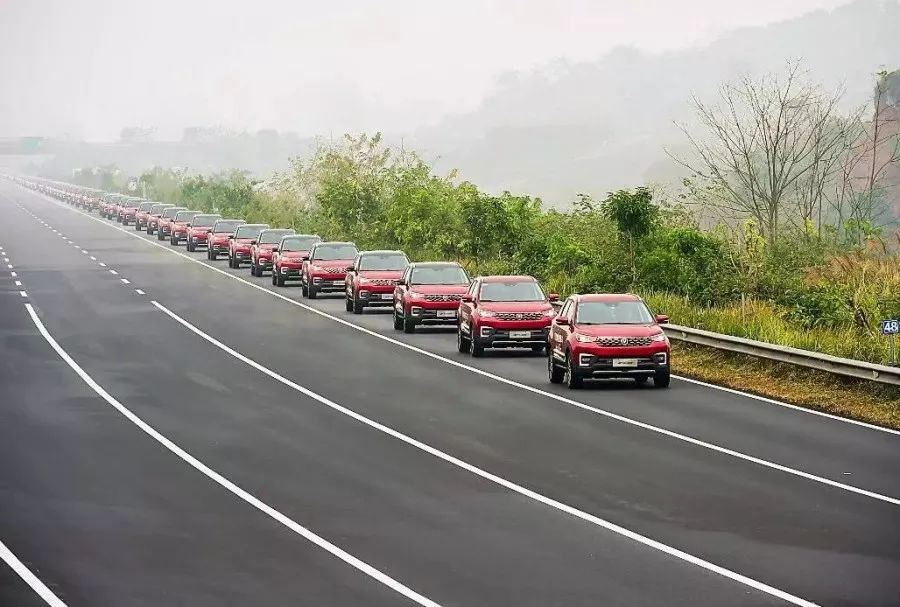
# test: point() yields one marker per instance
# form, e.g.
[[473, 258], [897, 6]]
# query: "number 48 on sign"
[[890, 327]]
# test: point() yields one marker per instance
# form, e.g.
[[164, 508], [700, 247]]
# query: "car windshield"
[[249, 231], [272, 236], [330, 252], [299, 243], [613, 313], [170, 213], [204, 221], [439, 275], [185, 215], [223, 227], [145, 206], [158, 208], [130, 204], [525, 290], [383, 261]]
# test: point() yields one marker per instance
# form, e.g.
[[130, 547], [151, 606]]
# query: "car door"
[[350, 280], [304, 269], [561, 327], [467, 307], [401, 288]]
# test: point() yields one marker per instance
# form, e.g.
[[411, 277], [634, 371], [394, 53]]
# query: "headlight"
[[316, 269], [585, 339], [486, 313], [659, 337], [416, 295], [551, 312]]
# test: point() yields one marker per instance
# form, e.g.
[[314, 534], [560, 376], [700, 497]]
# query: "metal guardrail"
[[794, 356]]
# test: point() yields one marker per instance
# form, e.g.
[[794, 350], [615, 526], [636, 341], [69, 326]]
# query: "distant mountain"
[[592, 127]]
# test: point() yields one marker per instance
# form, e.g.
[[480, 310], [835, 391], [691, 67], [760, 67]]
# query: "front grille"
[[624, 341], [383, 282], [443, 297], [519, 316]]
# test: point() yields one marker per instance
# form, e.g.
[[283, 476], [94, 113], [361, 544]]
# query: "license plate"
[[625, 362], [446, 313], [519, 334], [387, 296]]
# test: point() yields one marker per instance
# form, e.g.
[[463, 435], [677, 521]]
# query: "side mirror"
[[562, 321], [468, 299], [349, 268], [305, 258], [274, 249], [401, 283], [231, 237], [252, 242], [188, 225], [662, 319], [553, 297]]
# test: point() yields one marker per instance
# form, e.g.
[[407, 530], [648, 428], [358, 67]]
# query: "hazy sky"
[[90, 67]]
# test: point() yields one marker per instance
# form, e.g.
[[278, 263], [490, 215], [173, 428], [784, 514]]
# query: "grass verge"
[[848, 397]]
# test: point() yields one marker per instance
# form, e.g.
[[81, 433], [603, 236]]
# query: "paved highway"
[[173, 432]]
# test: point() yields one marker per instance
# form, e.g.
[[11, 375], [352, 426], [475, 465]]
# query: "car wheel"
[[570, 379], [312, 292], [357, 306], [190, 246], [554, 372], [661, 379], [304, 291], [280, 279], [476, 349], [212, 255], [409, 324], [398, 321], [137, 227], [462, 343], [348, 303], [274, 277]]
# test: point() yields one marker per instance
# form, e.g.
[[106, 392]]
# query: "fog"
[[520, 93]]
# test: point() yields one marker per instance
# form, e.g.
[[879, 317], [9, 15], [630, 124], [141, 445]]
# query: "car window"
[[524, 290], [170, 213], [439, 275], [222, 227], [331, 252], [566, 309], [204, 221], [249, 231], [382, 261], [299, 243], [272, 236], [613, 313], [185, 215]]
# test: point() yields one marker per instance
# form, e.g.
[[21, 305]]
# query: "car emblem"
[[519, 317], [624, 341]]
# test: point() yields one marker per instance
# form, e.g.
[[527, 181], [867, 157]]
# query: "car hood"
[[266, 247], [333, 265], [515, 306], [440, 289], [381, 274], [295, 256], [619, 330]]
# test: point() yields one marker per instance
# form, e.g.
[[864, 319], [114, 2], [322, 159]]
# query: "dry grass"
[[857, 399]]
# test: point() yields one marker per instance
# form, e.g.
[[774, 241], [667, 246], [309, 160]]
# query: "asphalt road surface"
[[174, 432]]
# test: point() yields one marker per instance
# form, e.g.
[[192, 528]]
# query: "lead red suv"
[[429, 293], [601, 336], [290, 254], [371, 279], [220, 237], [240, 242], [164, 223], [198, 230], [326, 269], [504, 312], [262, 251]]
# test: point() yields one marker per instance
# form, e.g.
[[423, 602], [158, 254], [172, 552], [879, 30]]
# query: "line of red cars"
[[585, 337]]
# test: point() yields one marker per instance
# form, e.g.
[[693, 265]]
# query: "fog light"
[[660, 358], [584, 360], [486, 331], [415, 311], [284, 270], [363, 294], [317, 279]]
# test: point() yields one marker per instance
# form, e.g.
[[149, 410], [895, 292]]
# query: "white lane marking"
[[13, 274], [23, 294], [10, 266], [527, 388], [102, 265], [93, 258], [507, 484], [125, 281], [29, 578], [224, 482], [18, 283], [76, 246], [139, 292], [113, 272], [84, 251]]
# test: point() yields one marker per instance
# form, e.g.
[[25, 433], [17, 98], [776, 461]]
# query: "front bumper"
[[431, 313], [589, 365], [496, 337], [290, 273], [376, 295], [328, 284]]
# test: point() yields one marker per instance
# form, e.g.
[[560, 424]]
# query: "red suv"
[[326, 269], [504, 312], [429, 293], [128, 210], [372, 278], [240, 242], [220, 237], [599, 336], [198, 230], [263, 249], [143, 211], [154, 214], [180, 224], [290, 255], [164, 224]]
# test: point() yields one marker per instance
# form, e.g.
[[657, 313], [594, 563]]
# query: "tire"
[[160, 236], [279, 279], [190, 246], [149, 231], [409, 324], [312, 292], [304, 290], [661, 379], [212, 255], [569, 378], [274, 277], [398, 321], [554, 373], [475, 349], [462, 342], [348, 303], [252, 268], [137, 227], [357, 306]]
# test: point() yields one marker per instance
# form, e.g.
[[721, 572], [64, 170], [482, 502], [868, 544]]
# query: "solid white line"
[[551, 395], [113, 272], [29, 578], [18, 283], [527, 388], [547, 501], [125, 281], [224, 482], [139, 292], [23, 294], [93, 258], [102, 265], [84, 252], [13, 274]]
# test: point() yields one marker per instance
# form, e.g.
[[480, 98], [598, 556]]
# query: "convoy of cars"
[[586, 337]]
